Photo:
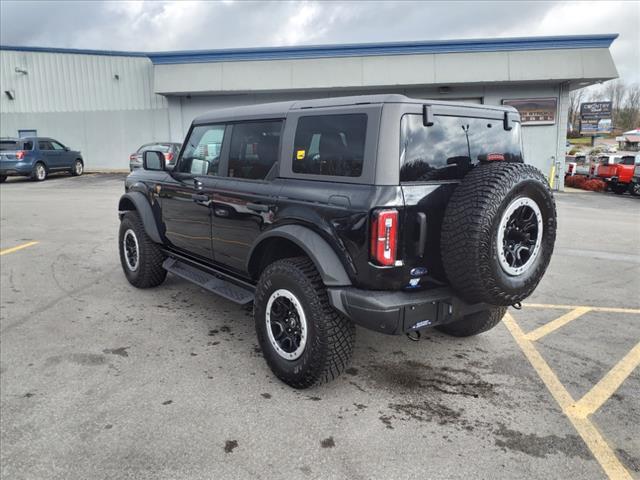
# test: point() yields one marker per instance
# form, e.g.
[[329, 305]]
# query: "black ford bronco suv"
[[392, 213]]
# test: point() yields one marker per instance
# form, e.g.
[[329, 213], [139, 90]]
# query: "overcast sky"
[[182, 25]]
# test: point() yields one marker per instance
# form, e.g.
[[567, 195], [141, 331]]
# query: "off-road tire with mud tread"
[[330, 335], [149, 272], [474, 323], [469, 249]]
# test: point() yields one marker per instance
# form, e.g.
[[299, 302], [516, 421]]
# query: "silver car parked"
[[170, 150]]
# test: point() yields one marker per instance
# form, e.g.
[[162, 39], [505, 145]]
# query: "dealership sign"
[[535, 111], [595, 118]]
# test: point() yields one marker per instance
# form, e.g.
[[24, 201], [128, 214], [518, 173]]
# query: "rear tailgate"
[[9, 149], [434, 159]]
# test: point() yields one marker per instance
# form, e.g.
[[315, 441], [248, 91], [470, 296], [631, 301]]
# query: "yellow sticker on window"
[[300, 154]]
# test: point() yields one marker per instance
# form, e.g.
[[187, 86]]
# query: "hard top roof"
[[280, 109]]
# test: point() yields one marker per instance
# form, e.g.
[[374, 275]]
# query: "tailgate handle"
[[422, 233]]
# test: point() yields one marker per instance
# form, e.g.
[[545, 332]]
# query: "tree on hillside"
[[625, 103], [576, 97]]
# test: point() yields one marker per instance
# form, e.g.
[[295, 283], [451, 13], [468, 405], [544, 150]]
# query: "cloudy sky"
[[183, 25]]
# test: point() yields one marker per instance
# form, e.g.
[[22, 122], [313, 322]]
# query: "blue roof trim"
[[353, 50]]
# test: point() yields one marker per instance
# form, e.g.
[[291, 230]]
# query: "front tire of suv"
[[78, 168], [474, 323], [304, 340], [140, 257], [498, 233]]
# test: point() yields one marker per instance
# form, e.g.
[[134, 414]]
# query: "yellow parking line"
[[573, 307], [19, 247], [587, 430], [607, 386], [540, 332]]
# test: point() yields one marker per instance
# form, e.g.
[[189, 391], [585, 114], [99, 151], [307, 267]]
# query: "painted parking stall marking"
[[578, 411], [6, 251]]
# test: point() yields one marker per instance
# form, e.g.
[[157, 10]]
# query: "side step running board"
[[208, 281]]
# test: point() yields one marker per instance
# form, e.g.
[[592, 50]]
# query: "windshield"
[[448, 148]]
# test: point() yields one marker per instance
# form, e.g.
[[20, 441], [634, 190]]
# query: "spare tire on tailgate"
[[498, 233]]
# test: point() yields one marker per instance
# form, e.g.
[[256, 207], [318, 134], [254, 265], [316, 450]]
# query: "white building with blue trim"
[[108, 103]]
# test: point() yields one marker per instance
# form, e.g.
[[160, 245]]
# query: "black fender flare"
[[142, 206], [323, 256]]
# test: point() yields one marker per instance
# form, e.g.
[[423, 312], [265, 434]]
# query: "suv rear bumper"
[[8, 167], [395, 312]]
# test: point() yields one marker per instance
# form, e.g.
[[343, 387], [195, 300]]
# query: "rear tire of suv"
[[39, 172], [498, 233], [2, 178], [140, 257], [474, 323], [303, 339]]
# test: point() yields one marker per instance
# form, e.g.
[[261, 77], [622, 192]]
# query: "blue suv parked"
[[36, 157]]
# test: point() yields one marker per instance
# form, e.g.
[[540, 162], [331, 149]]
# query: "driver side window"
[[202, 152]]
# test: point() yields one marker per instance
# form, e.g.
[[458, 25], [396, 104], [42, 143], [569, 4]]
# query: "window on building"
[[254, 149], [202, 154], [330, 145]]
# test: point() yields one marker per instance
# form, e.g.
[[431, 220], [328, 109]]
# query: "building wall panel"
[[58, 82]]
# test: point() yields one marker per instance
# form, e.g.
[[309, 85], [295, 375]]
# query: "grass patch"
[[580, 141]]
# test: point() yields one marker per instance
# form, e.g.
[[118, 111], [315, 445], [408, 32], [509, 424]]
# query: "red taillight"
[[168, 157], [20, 154], [495, 157], [384, 236]]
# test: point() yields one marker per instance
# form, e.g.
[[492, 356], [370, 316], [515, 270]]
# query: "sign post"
[[595, 119]]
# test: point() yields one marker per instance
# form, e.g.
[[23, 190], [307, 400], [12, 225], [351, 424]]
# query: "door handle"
[[198, 197], [258, 207]]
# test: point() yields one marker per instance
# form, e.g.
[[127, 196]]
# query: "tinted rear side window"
[[330, 145], [9, 145], [447, 149], [254, 149]]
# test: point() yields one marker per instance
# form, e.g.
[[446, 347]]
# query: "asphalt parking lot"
[[100, 380]]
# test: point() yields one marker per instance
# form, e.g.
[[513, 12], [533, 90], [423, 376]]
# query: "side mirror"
[[153, 160], [66, 149]]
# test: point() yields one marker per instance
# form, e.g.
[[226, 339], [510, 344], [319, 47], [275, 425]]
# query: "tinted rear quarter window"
[[254, 149], [452, 145], [330, 145], [9, 145]]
